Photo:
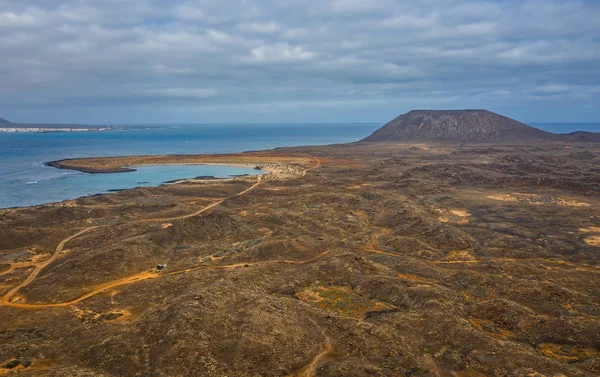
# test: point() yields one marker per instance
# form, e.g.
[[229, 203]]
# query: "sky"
[[190, 61]]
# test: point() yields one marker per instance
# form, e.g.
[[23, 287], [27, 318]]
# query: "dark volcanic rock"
[[61, 165], [457, 126], [583, 136]]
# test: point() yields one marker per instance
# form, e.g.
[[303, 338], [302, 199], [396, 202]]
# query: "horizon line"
[[240, 123]]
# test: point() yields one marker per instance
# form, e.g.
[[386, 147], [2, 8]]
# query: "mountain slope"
[[457, 126], [4, 121], [583, 136]]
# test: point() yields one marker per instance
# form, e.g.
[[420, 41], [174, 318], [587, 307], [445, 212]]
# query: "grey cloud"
[[260, 27], [252, 56]]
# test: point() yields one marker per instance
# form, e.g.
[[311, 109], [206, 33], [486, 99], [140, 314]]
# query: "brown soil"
[[537, 199], [352, 260]]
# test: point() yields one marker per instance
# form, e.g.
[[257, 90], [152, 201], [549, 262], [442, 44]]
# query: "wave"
[[39, 179]]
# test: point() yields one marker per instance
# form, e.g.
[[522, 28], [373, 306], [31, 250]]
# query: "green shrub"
[[26, 363], [11, 364]]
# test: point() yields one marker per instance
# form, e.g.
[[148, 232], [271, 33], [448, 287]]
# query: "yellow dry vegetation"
[[469, 373], [341, 300], [567, 353], [487, 327], [593, 240], [592, 229], [457, 216], [33, 365], [415, 279], [537, 199], [91, 316], [460, 255]]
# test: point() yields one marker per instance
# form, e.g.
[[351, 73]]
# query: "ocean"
[[566, 127], [26, 181]]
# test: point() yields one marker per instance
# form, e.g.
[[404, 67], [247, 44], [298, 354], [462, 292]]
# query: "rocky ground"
[[349, 260]]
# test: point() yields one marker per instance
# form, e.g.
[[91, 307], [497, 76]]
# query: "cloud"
[[279, 53], [409, 21], [353, 6], [182, 93], [189, 12], [11, 19], [72, 56], [260, 27]]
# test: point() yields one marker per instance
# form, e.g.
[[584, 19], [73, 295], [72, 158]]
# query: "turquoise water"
[[26, 181], [70, 184]]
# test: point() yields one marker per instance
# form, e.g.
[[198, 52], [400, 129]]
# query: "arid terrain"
[[366, 259]]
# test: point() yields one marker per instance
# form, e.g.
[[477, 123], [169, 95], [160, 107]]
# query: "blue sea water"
[[566, 127], [26, 181]]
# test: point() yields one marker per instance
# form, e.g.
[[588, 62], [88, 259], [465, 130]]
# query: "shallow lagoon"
[[68, 184], [25, 180]]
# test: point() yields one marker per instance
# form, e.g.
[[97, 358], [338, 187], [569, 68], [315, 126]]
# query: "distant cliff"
[[4, 121]]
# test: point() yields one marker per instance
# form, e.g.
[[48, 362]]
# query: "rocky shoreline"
[[58, 164]]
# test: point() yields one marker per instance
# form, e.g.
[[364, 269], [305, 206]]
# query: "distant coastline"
[[27, 179], [6, 126], [54, 129]]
